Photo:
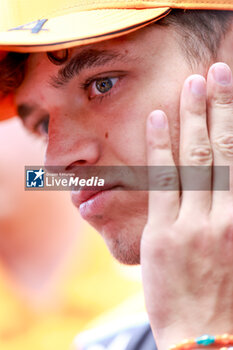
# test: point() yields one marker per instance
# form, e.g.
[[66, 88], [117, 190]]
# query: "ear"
[[225, 52]]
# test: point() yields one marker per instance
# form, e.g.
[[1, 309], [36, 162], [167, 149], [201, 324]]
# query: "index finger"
[[163, 182]]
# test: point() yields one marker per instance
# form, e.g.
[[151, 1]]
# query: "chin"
[[121, 225], [127, 253], [123, 241]]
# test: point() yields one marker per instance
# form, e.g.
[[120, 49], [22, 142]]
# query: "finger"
[[195, 149], [220, 119], [163, 177]]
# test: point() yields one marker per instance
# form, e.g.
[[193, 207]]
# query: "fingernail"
[[198, 86], [222, 74], [158, 119]]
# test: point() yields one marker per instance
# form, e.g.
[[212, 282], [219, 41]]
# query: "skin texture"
[[186, 246], [190, 289], [153, 71]]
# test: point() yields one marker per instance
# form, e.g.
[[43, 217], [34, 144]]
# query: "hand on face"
[[187, 244]]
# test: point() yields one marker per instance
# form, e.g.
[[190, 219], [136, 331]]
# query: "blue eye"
[[102, 86], [43, 126]]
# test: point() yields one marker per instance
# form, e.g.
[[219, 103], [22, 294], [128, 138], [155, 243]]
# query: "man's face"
[[97, 116]]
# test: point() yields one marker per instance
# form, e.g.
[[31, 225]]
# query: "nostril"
[[82, 161], [74, 164]]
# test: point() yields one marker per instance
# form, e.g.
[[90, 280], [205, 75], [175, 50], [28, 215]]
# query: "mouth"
[[85, 194], [92, 203]]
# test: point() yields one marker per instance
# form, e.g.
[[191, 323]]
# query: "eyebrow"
[[88, 58]]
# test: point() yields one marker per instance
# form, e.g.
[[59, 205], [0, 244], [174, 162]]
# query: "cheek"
[[126, 121], [124, 118], [125, 127]]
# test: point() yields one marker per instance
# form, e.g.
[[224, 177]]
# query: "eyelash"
[[100, 97], [85, 86], [40, 125]]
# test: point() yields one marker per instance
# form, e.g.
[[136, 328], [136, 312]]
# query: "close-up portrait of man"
[[138, 83]]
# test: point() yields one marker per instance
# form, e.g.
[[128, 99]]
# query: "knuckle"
[[166, 179], [161, 144], [195, 110], [223, 101], [224, 144], [201, 155]]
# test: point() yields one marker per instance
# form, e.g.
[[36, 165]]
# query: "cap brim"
[[78, 28], [75, 29]]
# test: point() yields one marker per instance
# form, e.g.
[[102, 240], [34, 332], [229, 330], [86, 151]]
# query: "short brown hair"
[[12, 72], [201, 31]]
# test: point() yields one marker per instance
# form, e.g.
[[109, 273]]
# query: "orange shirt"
[[82, 294]]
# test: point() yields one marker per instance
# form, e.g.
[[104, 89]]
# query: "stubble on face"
[[122, 225], [152, 81]]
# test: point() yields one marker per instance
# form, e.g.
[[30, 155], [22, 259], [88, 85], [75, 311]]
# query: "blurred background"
[[56, 275]]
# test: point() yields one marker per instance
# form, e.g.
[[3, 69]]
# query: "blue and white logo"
[[35, 178]]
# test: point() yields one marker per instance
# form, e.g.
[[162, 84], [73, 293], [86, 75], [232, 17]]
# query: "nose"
[[68, 146]]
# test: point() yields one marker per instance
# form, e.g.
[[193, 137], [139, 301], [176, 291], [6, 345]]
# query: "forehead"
[[131, 46], [143, 48]]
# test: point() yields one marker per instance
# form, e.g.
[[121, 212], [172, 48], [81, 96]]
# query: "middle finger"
[[220, 120], [195, 149]]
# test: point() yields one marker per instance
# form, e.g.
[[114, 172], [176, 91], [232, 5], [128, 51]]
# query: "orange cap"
[[48, 25]]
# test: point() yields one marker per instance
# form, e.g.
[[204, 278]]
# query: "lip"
[[85, 194], [91, 203]]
